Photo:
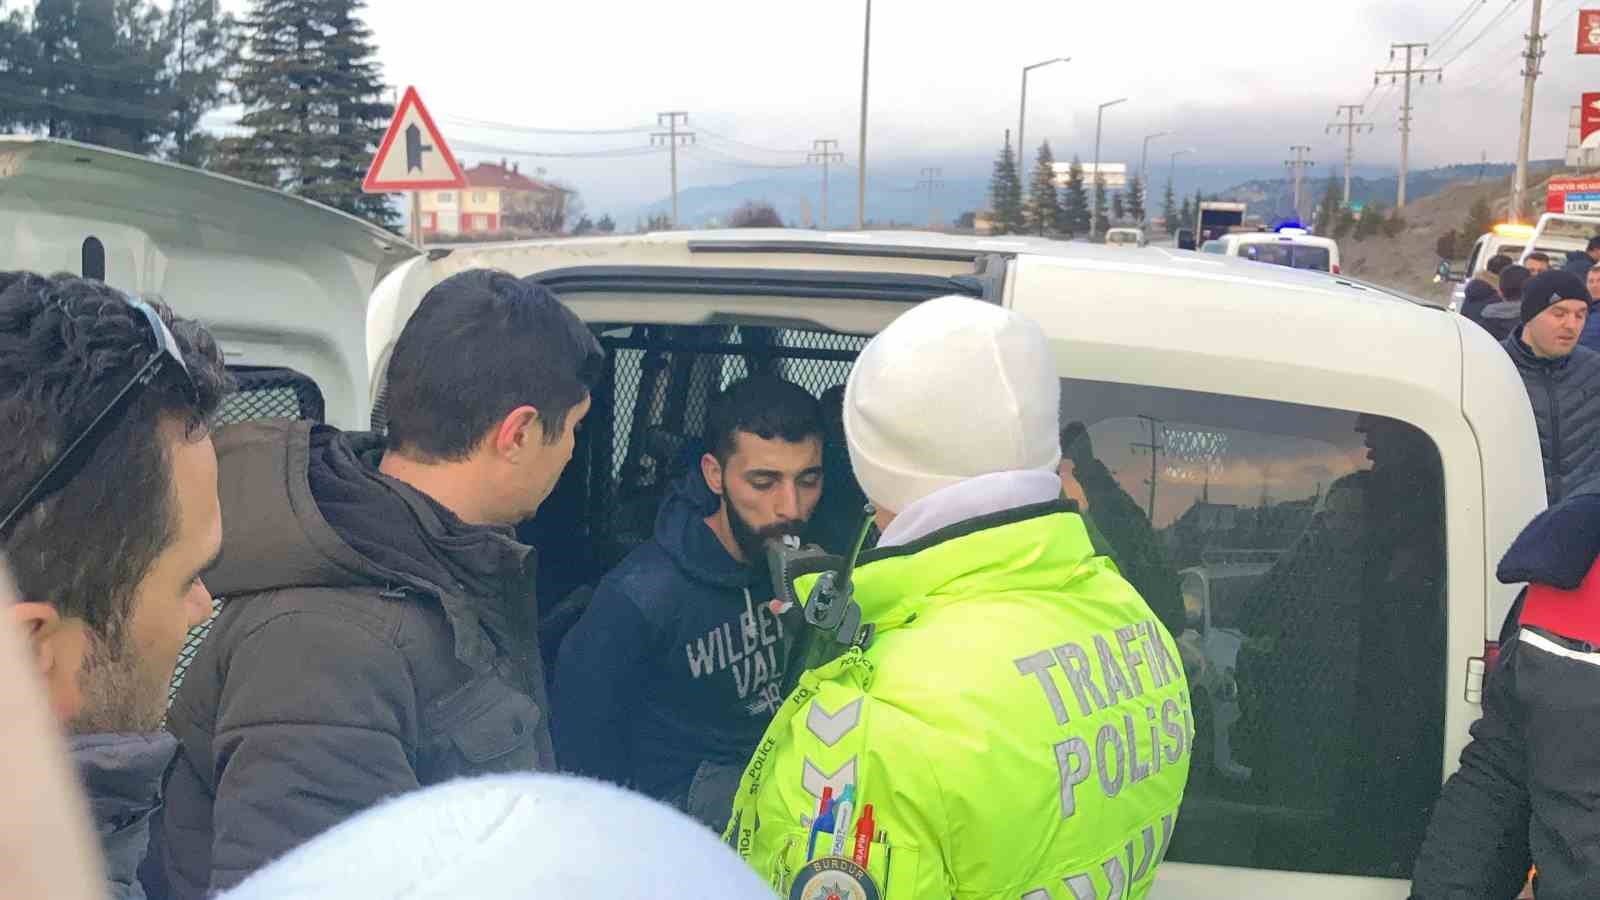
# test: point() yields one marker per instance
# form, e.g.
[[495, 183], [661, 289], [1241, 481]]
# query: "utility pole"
[[824, 151], [1530, 74], [1350, 127], [673, 139], [1405, 106], [931, 180], [1298, 166], [1155, 448], [861, 156], [1144, 175]]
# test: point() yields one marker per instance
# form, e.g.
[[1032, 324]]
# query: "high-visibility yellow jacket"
[[1020, 724]]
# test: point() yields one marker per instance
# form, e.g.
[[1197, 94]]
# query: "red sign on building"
[[1589, 31]]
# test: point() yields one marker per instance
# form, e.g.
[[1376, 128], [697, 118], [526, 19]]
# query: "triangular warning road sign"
[[413, 155]]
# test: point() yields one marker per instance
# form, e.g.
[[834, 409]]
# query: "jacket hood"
[[1504, 309], [1483, 288], [687, 540], [1044, 546], [304, 505]]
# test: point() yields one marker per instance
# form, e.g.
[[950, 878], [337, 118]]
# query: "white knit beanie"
[[953, 389]]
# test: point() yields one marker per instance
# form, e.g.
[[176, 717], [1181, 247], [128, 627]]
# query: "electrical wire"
[[721, 158], [613, 153], [1511, 7], [531, 129], [748, 146], [1456, 27]]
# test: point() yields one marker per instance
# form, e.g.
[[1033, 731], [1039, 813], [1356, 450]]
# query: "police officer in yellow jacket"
[[1011, 721]]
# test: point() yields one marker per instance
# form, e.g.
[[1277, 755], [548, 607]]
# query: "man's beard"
[[121, 692], [752, 540]]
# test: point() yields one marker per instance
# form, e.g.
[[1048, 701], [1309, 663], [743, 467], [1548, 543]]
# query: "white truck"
[[1555, 235], [1251, 429]]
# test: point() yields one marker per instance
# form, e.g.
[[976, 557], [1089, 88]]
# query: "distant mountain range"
[[893, 197]]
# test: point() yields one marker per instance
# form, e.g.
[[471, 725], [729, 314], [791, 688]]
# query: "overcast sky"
[[1239, 81]]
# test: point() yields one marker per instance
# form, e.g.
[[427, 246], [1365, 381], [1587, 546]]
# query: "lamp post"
[[1099, 179], [1022, 113], [1144, 174], [1172, 168], [861, 156]]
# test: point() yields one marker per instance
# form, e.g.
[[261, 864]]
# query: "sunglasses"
[[165, 359]]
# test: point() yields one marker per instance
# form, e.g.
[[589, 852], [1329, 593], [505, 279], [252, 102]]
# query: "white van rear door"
[[282, 282]]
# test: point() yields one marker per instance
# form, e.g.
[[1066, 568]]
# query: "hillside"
[[1408, 262]]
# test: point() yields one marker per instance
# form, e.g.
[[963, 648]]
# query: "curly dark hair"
[[67, 345]]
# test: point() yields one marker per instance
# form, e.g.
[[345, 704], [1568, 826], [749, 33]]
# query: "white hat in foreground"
[[506, 837]]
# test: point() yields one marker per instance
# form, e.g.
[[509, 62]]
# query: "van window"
[[1297, 553], [1295, 256]]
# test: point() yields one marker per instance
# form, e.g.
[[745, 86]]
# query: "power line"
[[532, 129], [1460, 22], [932, 179], [825, 151], [749, 146], [617, 152], [1405, 108], [712, 154], [1500, 17], [673, 139]]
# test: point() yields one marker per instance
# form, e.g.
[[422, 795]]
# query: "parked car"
[[1248, 428], [1125, 237]]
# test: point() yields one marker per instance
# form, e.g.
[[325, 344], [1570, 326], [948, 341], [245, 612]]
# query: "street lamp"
[[1022, 114], [1099, 179], [1144, 174], [1172, 167], [861, 157]]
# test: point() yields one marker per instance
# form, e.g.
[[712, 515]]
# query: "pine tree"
[[201, 38], [1328, 208], [1370, 222], [1100, 200], [1479, 220], [1005, 193], [313, 94], [1169, 210], [1344, 223], [94, 71], [606, 225], [1135, 202], [1119, 209], [16, 52], [1186, 214], [1075, 200], [1043, 210]]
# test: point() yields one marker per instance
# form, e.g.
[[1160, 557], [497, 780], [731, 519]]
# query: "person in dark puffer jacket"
[[1484, 288], [1563, 379], [1525, 792], [1504, 313]]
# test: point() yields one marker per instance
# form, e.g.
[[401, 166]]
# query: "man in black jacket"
[[1563, 379], [377, 628], [669, 680]]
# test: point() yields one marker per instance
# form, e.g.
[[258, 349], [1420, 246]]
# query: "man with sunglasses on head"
[[109, 516], [377, 632]]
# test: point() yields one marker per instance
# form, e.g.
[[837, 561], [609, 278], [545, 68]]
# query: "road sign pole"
[[416, 218]]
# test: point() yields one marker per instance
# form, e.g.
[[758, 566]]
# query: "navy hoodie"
[[677, 661]]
